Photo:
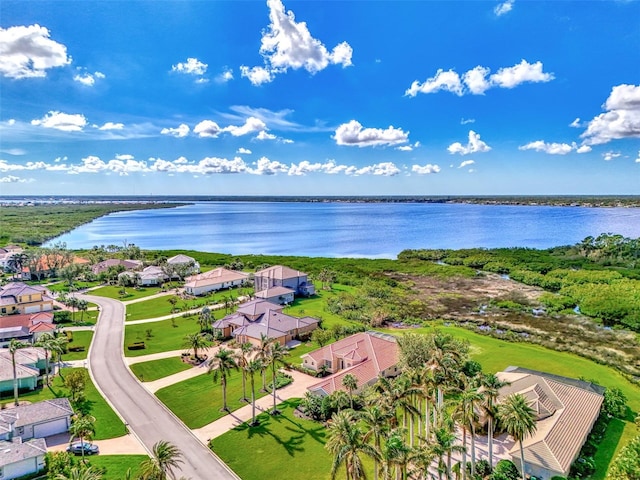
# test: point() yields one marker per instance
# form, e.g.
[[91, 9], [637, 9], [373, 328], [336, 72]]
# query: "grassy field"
[[116, 466], [159, 307], [113, 291], [315, 306], [108, 424], [63, 286], [283, 443], [197, 401], [155, 369], [166, 335], [80, 338]]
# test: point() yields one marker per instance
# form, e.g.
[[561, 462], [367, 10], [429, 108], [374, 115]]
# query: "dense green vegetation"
[[48, 221]]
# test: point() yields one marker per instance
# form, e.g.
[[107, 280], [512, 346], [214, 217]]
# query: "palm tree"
[[519, 421], [376, 421], [276, 354], [195, 341], [396, 453], [253, 366], [49, 344], [14, 346], [164, 459], [346, 443], [222, 365], [465, 414], [16, 262], [350, 382], [82, 427], [82, 305], [490, 388], [262, 354], [80, 473], [59, 345], [242, 358], [204, 319]]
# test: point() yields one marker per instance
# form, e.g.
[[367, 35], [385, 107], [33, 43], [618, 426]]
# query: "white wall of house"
[[23, 467], [214, 287]]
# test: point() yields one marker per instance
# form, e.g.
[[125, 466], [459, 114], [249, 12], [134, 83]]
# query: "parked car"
[[78, 447]]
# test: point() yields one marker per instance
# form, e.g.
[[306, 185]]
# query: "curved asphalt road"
[[149, 420]]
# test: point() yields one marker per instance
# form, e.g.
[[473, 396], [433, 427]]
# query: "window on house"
[[328, 362]]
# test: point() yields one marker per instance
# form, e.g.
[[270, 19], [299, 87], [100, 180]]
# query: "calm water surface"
[[350, 229]]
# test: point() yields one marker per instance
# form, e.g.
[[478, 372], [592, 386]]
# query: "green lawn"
[[63, 286], [117, 465], [159, 307], [113, 291], [108, 424], [283, 443], [315, 306], [155, 369], [166, 335], [197, 401], [80, 338]]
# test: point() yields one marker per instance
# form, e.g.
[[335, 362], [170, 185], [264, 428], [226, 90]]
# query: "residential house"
[[30, 362], [26, 327], [366, 356], [566, 410], [150, 276], [258, 318], [185, 264], [18, 297], [36, 420], [214, 280], [47, 265], [279, 295], [279, 276], [18, 458], [103, 266], [6, 253]]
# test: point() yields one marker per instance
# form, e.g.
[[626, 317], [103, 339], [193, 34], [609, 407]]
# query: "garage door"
[[50, 428], [32, 309]]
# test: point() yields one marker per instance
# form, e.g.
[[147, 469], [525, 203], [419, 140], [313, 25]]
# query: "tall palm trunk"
[[490, 441], [15, 380], [253, 400], [524, 476], [223, 380], [473, 451], [46, 366], [464, 453], [244, 385]]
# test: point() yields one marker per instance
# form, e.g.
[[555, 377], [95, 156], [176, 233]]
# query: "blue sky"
[[319, 97]]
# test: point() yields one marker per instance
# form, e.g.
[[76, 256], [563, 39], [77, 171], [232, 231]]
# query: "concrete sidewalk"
[[297, 389]]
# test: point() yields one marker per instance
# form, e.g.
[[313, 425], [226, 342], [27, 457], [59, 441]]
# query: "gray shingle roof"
[[13, 452], [38, 412]]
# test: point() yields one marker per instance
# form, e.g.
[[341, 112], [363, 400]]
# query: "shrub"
[[582, 467], [62, 316], [615, 403], [77, 348], [505, 470], [136, 346]]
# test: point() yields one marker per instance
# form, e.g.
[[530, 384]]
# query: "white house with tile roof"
[[214, 280]]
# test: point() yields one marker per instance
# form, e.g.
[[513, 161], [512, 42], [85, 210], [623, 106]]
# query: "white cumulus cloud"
[[29, 52], [207, 128], [474, 145], [225, 76], [354, 134], [289, 44], [181, 131], [264, 166], [251, 124], [621, 119], [425, 169], [88, 79], [608, 156], [550, 148], [244, 151], [466, 163], [111, 126], [192, 66], [62, 121], [477, 80], [12, 179], [638, 159], [583, 149], [504, 7]]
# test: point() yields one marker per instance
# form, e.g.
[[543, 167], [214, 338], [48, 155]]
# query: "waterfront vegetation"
[[156, 369], [49, 221]]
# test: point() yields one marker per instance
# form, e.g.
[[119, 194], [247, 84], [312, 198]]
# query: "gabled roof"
[[214, 277], [181, 258], [257, 307], [26, 319], [42, 411], [274, 292], [279, 272], [374, 353], [41, 327], [114, 262], [17, 451], [567, 409], [15, 289]]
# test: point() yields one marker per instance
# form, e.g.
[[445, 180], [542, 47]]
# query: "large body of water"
[[374, 230]]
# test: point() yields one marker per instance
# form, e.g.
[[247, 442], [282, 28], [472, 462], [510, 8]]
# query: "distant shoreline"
[[518, 200]]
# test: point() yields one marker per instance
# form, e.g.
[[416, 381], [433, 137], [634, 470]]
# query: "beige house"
[[566, 410], [280, 276], [259, 318], [214, 280], [18, 297], [366, 356], [279, 295]]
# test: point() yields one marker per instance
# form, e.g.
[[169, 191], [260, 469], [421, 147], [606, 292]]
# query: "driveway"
[[146, 417]]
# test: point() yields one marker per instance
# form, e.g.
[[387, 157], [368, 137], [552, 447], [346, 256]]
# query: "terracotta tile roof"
[[42, 327], [26, 319], [280, 272], [567, 409], [375, 352]]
